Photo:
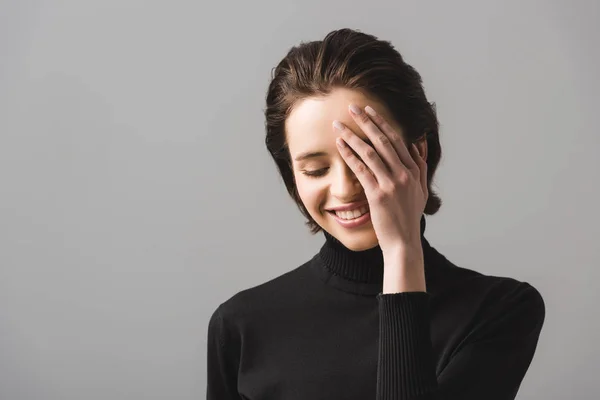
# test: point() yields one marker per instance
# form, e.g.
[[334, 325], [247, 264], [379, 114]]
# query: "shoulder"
[[518, 297], [489, 301], [507, 307], [501, 294], [493, 289], [248, 304]]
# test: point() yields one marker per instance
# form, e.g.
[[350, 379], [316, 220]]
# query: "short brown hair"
[[350, 59]]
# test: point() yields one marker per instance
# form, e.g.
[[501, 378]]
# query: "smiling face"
[[324, 180]]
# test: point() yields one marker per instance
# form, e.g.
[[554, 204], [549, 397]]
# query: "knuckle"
[[388, 186], [383, 139], [370, 154], [403, 178], [395, 137], [379, 196], [361, 168]]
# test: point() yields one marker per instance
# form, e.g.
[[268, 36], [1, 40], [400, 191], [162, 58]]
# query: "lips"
[[348, 207]]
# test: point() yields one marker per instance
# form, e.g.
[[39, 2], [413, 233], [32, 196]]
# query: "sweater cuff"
[[406, 367]]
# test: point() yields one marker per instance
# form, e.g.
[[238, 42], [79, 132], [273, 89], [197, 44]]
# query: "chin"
[[357, 241]]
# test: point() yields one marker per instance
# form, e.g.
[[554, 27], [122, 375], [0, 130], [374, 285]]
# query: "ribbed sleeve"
[[490, 365], [406, 368]]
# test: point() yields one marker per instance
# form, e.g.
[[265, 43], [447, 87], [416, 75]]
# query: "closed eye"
[[318, 172]]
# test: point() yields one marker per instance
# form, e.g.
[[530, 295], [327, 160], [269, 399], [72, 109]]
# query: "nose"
[[345, 185]]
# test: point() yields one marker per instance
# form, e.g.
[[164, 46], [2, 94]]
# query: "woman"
[[377, 313]]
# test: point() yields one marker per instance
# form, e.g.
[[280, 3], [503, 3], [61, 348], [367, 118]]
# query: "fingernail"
[[338, 125], [355, 109], [370, 111]]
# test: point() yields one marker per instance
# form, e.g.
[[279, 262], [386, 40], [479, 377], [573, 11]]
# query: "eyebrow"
[[309, 154], [314, 154]]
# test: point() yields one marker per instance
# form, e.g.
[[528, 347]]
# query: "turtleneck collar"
[[359, 271]]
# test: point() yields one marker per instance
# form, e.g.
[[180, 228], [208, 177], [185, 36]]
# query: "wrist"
[[404, 254], [406, 281], [404, 271]]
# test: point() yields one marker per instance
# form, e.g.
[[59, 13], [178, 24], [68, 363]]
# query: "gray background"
[[136, 193]]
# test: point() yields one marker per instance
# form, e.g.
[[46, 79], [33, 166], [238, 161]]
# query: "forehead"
[[309, 125]]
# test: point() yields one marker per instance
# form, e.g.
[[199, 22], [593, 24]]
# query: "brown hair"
[[349, 59]]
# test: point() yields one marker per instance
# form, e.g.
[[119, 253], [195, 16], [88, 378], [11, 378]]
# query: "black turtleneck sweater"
[[325, 330]]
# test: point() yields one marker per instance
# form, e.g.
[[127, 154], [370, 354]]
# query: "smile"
[[352, 219], [352, 214]]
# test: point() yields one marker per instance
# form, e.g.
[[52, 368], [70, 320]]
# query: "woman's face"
[[309, 130]]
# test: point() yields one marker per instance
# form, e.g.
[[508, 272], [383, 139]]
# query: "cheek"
[[311, 194]]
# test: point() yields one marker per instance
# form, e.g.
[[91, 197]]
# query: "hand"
[[394, 178]]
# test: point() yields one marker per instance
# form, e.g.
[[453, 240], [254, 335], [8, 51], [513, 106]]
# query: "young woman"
[[377, 313]]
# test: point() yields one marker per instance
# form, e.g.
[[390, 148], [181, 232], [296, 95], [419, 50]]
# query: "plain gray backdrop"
[[136, 192]]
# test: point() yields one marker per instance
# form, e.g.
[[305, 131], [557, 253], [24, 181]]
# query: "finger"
[[381, 141], [364, 176], [394, 137], [422, 164], [368, 155]]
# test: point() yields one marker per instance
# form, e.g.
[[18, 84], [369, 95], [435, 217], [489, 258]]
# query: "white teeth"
[[353, 213]]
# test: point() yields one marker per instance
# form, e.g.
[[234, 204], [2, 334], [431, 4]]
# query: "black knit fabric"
[[325, 330]]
